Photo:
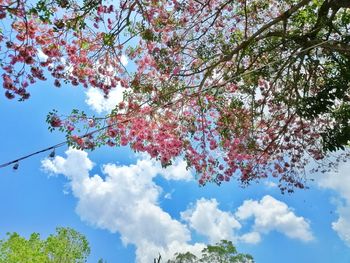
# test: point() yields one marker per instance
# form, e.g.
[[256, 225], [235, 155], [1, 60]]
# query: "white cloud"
[[42, 56], [177, 171], [96, 99], [270, 214], [169, 195], [342, 225], [208, 220], [146, 249], [126, 199], [124, 60], [270, 184], [340, 182], [125, 202], [251, 238]]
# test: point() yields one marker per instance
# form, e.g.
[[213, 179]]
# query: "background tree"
[[245, 89], [66, 246], [222, 252]]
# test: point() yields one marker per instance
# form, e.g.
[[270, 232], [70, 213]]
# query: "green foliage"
[[331, 100], [17, 249], [338, 136], [222, 252], [184, 258], [147, 35], [66, 246], [43, 10], [108, 39]]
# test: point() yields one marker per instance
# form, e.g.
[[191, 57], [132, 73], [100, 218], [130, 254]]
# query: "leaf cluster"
[[67, 245], [222, 252]]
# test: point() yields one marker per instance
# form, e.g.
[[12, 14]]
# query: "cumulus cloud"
[[41, 55], [124, 60], [177, 171], [342, 225], [207, 219], [251, 238], [125, 201], [270, 214], [96, 99], [169, 195], [340, 182], [270, 184]]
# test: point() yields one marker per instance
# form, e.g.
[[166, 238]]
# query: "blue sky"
[[130, 209]]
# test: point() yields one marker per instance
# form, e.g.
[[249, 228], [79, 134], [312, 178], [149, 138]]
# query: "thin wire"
[[103, 128], [34, 153], [50, 148]]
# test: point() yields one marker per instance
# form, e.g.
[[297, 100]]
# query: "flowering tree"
[[245, 88]]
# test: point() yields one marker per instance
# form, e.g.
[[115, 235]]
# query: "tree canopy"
[[222, 252], [242, 89], [66, 246]]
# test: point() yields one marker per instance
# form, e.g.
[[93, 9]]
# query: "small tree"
[[66, 246], [222, 252]]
